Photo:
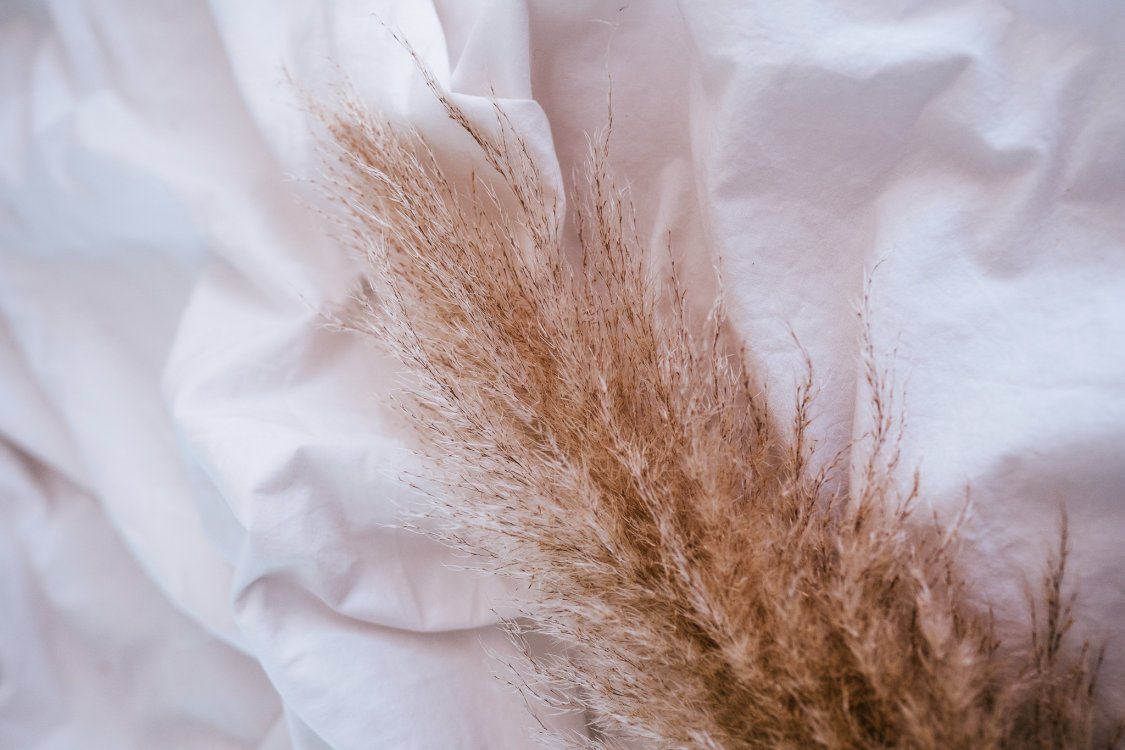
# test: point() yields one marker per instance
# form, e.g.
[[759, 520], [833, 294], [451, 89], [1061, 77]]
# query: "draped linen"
[[199, 488]]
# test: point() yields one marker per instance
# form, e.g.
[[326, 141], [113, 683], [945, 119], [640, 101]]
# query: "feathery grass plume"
[[592, 436]]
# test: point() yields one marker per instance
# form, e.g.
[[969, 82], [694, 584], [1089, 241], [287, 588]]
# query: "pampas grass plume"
[[592, 436]]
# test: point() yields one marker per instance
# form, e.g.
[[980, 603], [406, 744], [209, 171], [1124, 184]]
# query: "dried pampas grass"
[[592, 436]]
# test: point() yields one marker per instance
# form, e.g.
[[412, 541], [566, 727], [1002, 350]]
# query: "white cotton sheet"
[[199, 478]]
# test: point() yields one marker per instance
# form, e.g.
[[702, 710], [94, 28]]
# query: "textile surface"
[[199, 478]]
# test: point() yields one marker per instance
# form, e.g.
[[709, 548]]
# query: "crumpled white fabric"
[[198, 477]]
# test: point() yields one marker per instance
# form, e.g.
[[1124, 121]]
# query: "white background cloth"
[[198, 478]]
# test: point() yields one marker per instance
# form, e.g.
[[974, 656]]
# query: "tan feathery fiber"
[[592, 436]]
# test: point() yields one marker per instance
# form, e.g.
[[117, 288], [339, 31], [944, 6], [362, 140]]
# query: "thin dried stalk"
[[588, 434]]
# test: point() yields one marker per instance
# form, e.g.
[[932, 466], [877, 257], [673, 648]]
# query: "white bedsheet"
[[198, 478]]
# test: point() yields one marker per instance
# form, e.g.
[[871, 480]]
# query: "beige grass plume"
[[590, 435]]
